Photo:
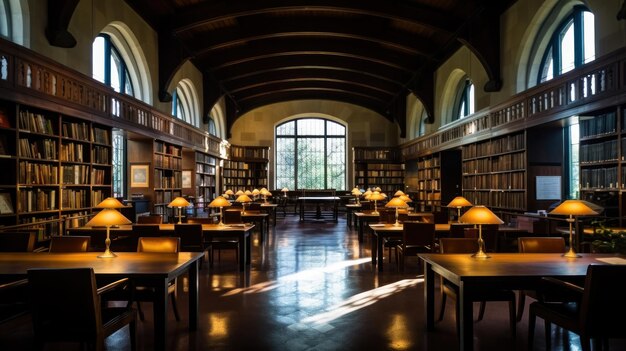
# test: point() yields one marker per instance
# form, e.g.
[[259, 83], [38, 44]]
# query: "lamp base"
[[397, 224], [571, 254], [481, 254], [107, 254]]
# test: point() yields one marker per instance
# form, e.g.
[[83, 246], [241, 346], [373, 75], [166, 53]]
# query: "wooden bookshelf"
[[494, 172], [246, 169], [56, 166], [378, 167], [205, 179], [167, 171], [438, 179], [601, 155]]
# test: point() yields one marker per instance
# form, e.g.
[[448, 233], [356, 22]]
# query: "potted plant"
[[608, 241]]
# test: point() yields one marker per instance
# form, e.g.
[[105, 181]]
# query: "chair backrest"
[[150, 219], [418, 234], [17, 241], [64, 303], [200, 220], [537, 244], [387, 216], [457, 230], [603, 299], [146, 230], [97, 235], [458, 245], [163, 244], [191, 236], [253, 206], [69, 243], [232, 216]]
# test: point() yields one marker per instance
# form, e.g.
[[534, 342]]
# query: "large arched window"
[[185, 103], [5, 19], [311, 154], [465, 100], [211, 126], [571, 45], [108, 66]]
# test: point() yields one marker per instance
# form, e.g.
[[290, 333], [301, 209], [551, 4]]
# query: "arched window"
[[108, 66], [5, 19], [184, 103], [211, 126], [420, 128], [571, 45], [311, 154], [465, 100]]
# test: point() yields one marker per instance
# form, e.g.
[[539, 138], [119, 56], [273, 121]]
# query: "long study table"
[[513, 271], [146, 269], [239, 231]]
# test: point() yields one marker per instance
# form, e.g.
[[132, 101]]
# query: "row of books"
[[169, 149], [204, 180], [73, 198], [497, 199], [35, 122], [45, 149], [428, 162], [600, 152], [101, 136], [509, 143], [385, 166], [101, 155], [76, 130], [380, 173], [164, 161], [598, 125], [599, 178], [169, 181], [98, 176], [205, 168], [72, 152], [38, 173], [501, 163], [429, 173], [501, 181], [165, 197], [75, 174], [428, 184], [204, 158], [249, 152], [377, 154], [37, 200]]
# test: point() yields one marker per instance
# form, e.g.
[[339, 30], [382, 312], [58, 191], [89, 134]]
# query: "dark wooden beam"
[[172, 55], [60, 13]]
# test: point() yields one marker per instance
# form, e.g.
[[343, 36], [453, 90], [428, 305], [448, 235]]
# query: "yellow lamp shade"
[[376, 196], [243, 198], [110, 202], [459, 202], [356, 192], [239, 193], [219, 201], [398, 193], [396, 202], [573, 208], [284, 190], [405, 198], [229, 192], [255, 192], [480, 215], [107, 218], [179, 202], [248, 192]]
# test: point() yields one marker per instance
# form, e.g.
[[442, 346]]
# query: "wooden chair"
[[162, 244], [535, 244], [200, 220], [417, 237], [69, 243], [232, 216], [13, 300], [191, 237], [65, 305], [598, 315], [468, 246], [150, 219], [17, 241], [457, 230]]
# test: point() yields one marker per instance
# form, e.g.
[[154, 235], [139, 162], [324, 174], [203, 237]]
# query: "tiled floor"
[[311, 286]]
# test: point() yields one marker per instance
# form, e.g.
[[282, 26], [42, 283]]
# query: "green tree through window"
[[311, 154]]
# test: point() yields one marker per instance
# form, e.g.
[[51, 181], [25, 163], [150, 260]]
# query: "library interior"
[[312, 174]]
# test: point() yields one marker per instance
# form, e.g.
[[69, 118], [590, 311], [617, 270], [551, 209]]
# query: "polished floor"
[[311, 286]]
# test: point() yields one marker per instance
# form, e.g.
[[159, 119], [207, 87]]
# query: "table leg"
[[379, 247], [193, 295], [466, 327], [159, 309], [248, 240], [361, 224], [242, 250], [374, 250], [429, 295]]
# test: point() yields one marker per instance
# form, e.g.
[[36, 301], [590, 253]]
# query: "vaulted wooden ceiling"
[[371, 53]]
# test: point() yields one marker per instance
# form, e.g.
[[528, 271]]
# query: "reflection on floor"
[[311, 286]]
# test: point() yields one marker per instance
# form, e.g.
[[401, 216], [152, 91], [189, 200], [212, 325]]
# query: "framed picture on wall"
[[140, 176], [187, 179]]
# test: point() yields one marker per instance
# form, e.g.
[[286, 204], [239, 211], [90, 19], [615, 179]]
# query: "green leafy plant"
[[608, 241]]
